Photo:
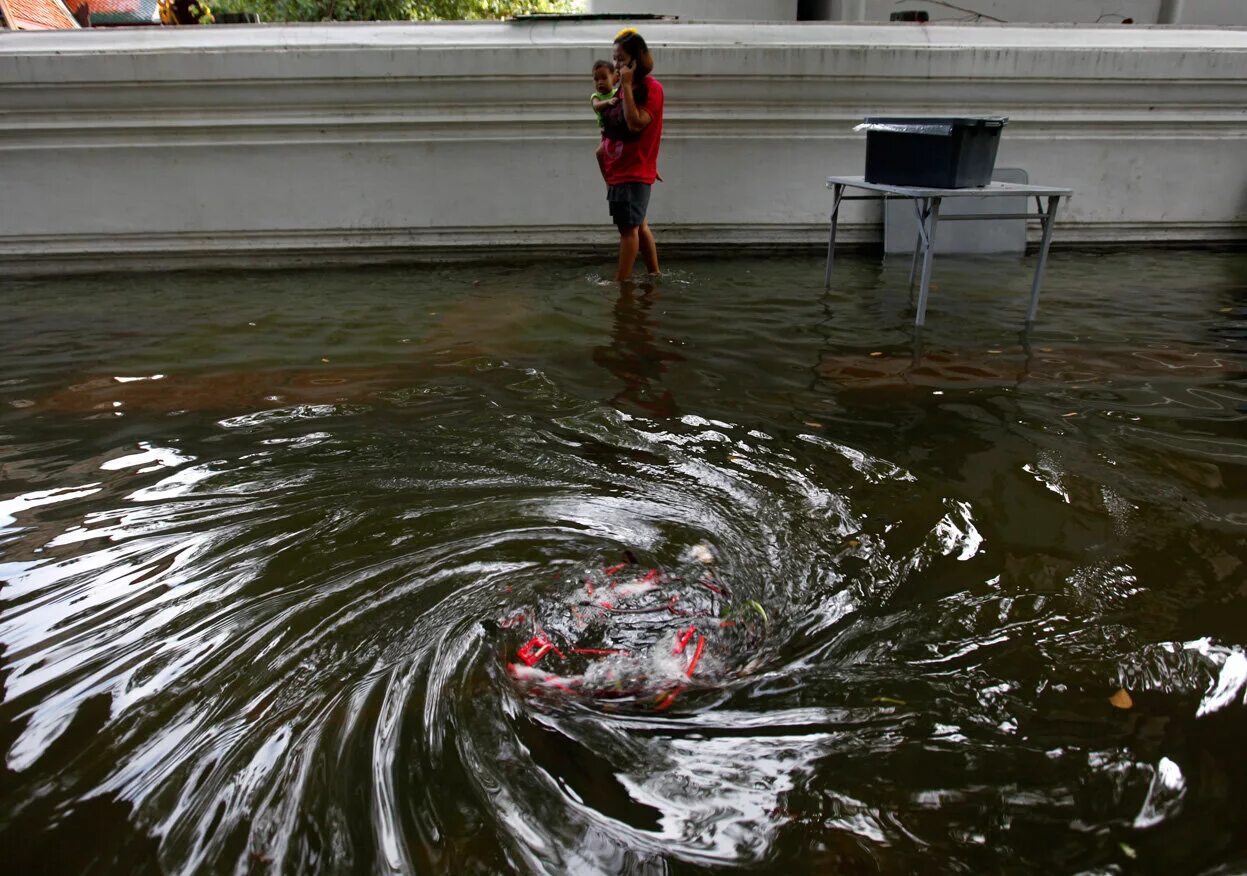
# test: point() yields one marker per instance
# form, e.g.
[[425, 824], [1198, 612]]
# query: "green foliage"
[[391, 10], [453, 10]]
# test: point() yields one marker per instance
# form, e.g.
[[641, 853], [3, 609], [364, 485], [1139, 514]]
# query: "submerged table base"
[[927, 212]]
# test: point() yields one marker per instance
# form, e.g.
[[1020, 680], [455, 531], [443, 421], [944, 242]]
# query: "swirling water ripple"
[[255, 568]]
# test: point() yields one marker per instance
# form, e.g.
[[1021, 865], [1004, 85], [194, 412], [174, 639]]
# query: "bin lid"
[[930, 125]]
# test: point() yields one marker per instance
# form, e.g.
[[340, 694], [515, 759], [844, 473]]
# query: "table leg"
[[927, 257], [1048, 220], [831, 237], [920, 211]]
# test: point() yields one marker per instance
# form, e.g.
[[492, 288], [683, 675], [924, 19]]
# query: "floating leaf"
[[891, 701], [757, 606], [814, 424], [1070, 414], [1128, 851], [877, 353], [323, 359], [1121, 699]]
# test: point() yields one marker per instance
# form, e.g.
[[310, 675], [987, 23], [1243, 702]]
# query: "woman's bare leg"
[[629, 243], [649, 248]]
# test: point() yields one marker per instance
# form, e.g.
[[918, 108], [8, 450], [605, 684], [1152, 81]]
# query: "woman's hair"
[[634, 44], [599, 63]]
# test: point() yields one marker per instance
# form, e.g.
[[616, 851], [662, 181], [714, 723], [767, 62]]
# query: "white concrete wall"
[[1025, 11], [1195, 12], [1190, 12], [317, 142], [1210, 12]]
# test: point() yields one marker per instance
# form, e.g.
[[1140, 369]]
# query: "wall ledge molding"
[[43, 255]]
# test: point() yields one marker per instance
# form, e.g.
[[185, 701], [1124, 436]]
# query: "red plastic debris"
[[555, 681], [701, 643], [536, 648], [667, 699], [613, 569], [684, 639], [651, 575]]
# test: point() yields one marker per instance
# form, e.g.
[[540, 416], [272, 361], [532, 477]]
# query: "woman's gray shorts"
[[628, 203]]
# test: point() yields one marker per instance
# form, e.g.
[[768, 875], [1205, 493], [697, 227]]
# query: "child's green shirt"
[[597, 95]]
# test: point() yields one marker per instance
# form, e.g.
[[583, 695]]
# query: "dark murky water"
[[269, 542]]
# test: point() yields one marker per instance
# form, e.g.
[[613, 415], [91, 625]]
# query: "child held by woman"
[[604, 96]]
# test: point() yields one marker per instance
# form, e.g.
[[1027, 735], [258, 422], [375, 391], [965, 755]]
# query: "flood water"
[[270, 543]]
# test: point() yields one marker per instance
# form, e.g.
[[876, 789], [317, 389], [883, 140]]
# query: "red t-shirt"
[[637, 160]]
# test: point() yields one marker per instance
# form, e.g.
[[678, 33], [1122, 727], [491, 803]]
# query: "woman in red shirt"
[[633, 133]]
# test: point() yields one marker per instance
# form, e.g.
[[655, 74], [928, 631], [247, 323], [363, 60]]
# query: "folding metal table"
[[927, 213]]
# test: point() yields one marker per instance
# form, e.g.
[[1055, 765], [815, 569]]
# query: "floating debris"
[[628, 633]]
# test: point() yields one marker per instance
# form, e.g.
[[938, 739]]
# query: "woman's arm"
[[636, 117]]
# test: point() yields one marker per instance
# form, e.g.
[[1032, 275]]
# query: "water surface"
[[258, 532]]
